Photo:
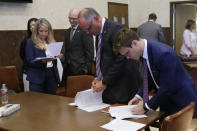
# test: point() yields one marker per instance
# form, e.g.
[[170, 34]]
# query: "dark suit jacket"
[[79, 52], [176, 87], [151, 31], [36, 71], [22, 53], [120, 75]]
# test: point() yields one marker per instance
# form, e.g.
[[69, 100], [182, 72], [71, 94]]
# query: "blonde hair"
[[39, 44]]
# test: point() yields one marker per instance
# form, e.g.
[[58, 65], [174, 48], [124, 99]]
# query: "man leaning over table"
[[115, 76], [175, 86]]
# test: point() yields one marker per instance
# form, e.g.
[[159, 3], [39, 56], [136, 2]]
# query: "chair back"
[[179, 121], [75, 84], [9, 76]]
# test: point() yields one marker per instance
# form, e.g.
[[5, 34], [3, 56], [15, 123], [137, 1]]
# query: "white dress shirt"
[[189, 40]]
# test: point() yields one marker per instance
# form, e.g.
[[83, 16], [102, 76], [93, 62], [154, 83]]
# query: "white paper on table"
[[54, 48], [88, 97], [72, 104], [123, 125], [122, 112], [92, 108], [89, 101]]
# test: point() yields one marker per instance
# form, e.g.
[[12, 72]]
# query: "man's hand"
[[139, 110], [98, 86], [94, 82], [134, 101]]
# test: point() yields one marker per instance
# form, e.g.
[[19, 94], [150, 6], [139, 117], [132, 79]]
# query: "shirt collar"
[[103, 22], [75, 27], [145, 53]]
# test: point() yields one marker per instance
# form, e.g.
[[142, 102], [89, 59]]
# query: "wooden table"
[[43, 112]]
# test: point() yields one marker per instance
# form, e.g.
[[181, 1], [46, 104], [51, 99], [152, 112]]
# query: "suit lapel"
[[68, 44], [152, 61], [75, 33], [104, 33]]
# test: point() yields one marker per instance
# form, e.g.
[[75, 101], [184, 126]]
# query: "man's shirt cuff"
[[139, 97], [147, 106]]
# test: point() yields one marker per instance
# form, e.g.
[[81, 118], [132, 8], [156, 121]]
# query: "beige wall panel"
[[15, 15]]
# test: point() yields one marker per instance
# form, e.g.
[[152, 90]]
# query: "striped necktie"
[[145, 81], [72, 33], [98, 58]]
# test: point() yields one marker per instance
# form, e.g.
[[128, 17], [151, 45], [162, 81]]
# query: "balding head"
[[73, 16], [90, 21]]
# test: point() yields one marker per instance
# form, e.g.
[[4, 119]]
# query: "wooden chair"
[[179, 121], [9, 76], [75, 84]]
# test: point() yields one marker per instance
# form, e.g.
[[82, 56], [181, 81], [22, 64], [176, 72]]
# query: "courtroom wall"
[[14, 16]]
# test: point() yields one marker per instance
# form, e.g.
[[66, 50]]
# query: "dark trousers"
[[48, 86]]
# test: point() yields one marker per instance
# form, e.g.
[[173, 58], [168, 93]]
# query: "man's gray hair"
[[90, 13]]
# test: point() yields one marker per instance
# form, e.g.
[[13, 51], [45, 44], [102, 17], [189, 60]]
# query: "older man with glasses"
[[113, 76], [79, 48]]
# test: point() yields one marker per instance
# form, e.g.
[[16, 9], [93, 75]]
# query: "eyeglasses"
[[71, 18]]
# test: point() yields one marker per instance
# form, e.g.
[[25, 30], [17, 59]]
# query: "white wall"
[[14, 16], [139, 12]]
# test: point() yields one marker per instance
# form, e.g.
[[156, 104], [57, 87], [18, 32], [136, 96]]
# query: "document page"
[[123, 125], [122, 112], [55, 48], [90, 101], [44, 58]]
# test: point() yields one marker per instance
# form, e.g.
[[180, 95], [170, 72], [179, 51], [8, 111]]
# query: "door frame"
[[108, 3], [172, 18]]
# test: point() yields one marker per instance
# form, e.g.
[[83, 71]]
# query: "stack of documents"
[[122, 112], [123, 125], [89, 101]]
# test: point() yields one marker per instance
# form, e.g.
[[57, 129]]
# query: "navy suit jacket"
[[176, 87], [121, 79], [36, 71]]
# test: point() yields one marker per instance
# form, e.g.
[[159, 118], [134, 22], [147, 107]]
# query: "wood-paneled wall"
[[10, 43]]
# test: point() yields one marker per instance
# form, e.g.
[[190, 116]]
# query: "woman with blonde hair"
[[42, 74]]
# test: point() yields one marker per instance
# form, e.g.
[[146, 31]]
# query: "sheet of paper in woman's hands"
[[49, 58], [55, 48]]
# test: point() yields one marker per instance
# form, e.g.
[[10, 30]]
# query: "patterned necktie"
[[145, 82], [72, 33], [98, 58]]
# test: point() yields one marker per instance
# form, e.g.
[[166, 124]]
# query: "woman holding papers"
[[41, 73]]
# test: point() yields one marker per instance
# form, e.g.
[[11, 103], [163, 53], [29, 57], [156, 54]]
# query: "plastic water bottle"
[[4, 92]]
